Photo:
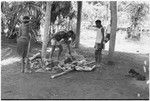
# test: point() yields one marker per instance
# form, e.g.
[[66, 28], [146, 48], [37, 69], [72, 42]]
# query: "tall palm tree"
[[78, 24]]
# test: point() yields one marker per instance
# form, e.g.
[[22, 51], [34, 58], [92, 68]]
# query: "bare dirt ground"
[[107, 83]]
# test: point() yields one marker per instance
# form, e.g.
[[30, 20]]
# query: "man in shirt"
[[99, 42]]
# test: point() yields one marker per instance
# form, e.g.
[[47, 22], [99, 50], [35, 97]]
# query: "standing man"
[[99, 42]]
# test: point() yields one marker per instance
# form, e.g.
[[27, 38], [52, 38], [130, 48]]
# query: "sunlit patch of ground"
[[10, 61], [88, 37]]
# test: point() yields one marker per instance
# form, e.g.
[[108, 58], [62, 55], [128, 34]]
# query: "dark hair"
[[98, 22]]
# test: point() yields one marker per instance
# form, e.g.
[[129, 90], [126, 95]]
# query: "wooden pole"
[[113, 7], [46, 29], [78, 23]]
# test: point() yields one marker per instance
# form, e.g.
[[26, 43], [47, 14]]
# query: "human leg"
[[60, 51], [53, 43], [98, 53]]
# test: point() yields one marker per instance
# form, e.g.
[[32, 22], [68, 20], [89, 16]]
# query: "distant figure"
[[99, 42], [23, 42], [59, 38]]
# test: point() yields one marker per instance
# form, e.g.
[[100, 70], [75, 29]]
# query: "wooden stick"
[[90, 63], [59, 74], [34, 56]]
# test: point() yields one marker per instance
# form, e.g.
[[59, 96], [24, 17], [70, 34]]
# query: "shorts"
[[99, 46]]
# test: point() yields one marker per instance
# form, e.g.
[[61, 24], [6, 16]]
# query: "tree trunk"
[[78, 24], [113, 7], [46, 29], [107, 11]]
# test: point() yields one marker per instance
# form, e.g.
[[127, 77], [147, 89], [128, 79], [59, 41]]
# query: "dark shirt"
[[61, 35]]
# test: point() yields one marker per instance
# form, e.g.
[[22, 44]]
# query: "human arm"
[[93, 28], [102, 30]]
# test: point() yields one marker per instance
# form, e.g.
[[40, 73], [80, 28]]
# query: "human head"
[[98, 23]]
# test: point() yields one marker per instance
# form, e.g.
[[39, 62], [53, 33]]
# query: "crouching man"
[[59, 38], [99, 42]]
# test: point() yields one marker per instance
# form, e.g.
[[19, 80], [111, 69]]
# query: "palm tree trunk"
[[113, 7], [78, 24], [46, 29]]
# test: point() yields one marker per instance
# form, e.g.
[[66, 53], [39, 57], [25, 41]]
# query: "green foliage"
[[137, 12], [60, 8], [98, 2], [95, 10], [14, 11]]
